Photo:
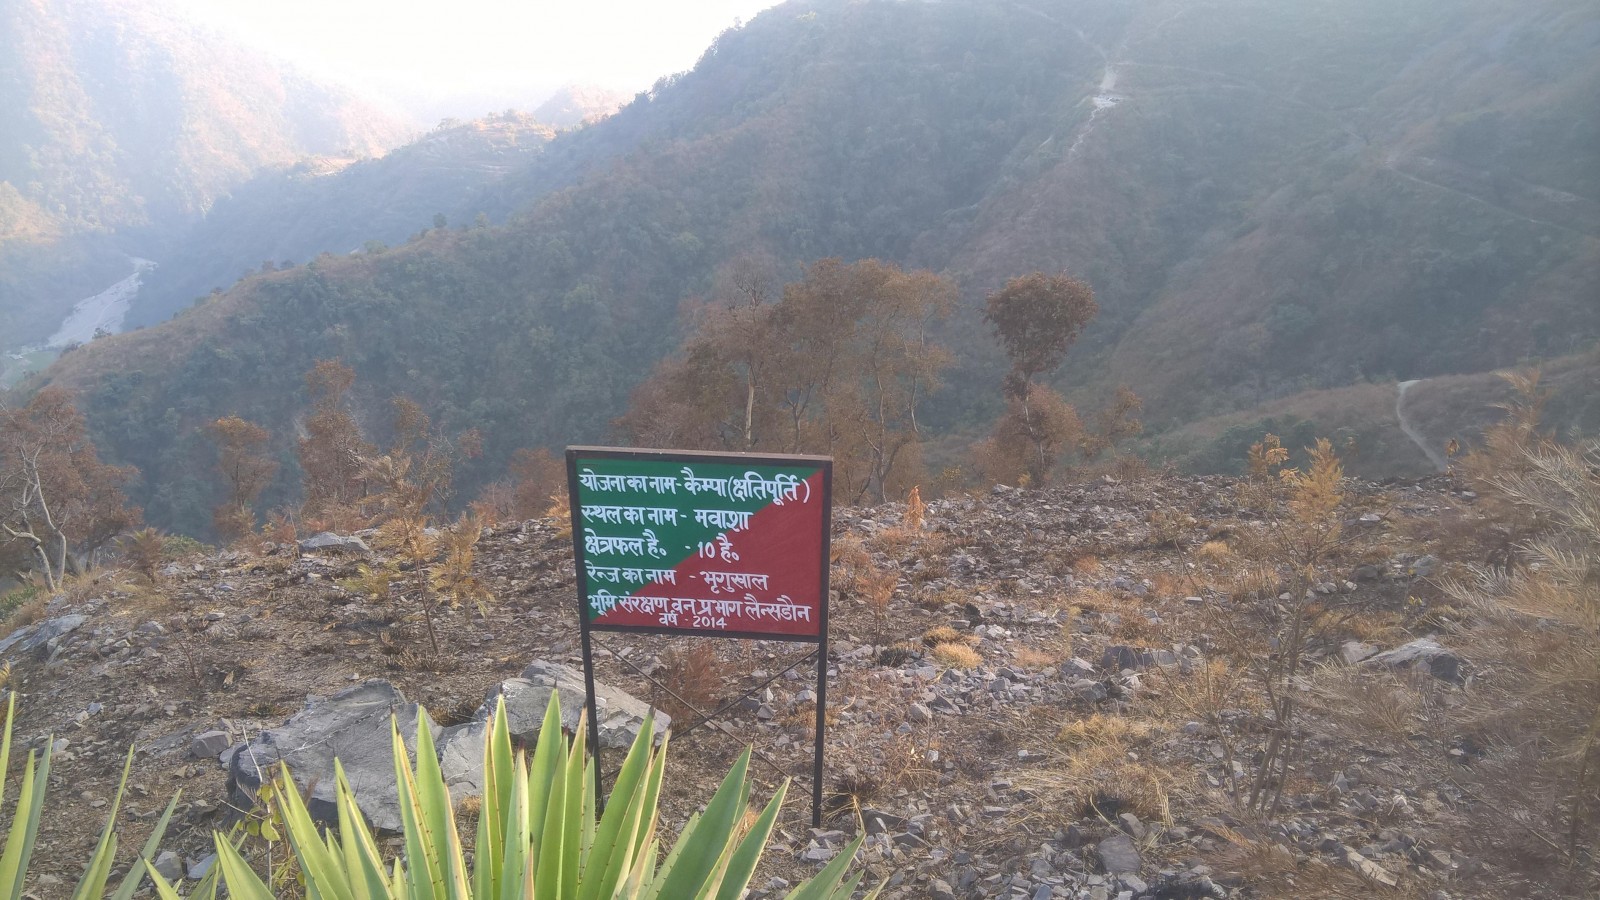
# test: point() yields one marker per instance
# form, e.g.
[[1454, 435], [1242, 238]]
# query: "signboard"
[[680, 542], [696, 543]]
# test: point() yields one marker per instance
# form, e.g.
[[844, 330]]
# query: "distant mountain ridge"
[[1268, 199], [116, 118], [338, 205], [118, 115], [578, 104]]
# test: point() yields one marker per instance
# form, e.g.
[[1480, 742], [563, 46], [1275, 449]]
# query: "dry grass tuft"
[[957, 656], [939, 599], [1214, 552], [26, 612], [1253, 582], [1103, 730], [893, 541], [905, 764], [1036, 657], [1095, 773], [942, 634], [1272, 870]]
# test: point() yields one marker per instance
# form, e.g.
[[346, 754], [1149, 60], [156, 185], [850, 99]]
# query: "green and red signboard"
[[696, 543], [680, 542]]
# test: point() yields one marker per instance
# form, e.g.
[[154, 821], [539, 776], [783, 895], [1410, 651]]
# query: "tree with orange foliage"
[[332, 451], [58, 502], [839, 365], [1037, 318], [246, 471]]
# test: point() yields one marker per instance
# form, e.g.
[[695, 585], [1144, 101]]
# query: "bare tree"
[[58, 502]]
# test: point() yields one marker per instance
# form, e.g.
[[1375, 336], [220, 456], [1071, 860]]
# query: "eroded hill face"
[[1268, 198]]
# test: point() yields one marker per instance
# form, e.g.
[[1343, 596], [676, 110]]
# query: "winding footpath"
[[1411, 431]]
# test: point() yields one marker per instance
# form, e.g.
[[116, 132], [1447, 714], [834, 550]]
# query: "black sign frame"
[[824, 465]]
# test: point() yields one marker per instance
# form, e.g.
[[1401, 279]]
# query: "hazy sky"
[[478, 55]]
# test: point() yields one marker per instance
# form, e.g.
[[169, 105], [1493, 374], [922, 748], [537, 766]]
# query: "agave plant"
[[538, 836]]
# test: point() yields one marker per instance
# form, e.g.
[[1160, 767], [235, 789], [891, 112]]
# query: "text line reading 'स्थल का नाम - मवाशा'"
[[684, 542]]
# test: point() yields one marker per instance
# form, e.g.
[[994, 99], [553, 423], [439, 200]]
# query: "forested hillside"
[[1267, 198], [286, 216]]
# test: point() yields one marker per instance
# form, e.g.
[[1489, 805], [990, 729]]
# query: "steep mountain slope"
[[326, 205], [575, 104], [115, 117], [1267, 198], [1291, 196]]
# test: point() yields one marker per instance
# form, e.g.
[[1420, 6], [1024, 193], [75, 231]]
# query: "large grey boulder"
[[1119, 856], [621, 716], [461, 758], [1421, 655], [328, 542], [352, 725], [41, 634]]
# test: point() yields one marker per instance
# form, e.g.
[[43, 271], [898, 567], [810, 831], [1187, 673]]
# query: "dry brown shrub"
[[850, 562], [1126, 468], [1168, 527], [280, 527], [876, 590], [695, 675], [29, 612], [558, 514], [957, 656], [1165, 585], [916, 510], [338, 519]]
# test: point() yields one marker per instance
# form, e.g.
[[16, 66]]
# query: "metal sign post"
[[717, 545]]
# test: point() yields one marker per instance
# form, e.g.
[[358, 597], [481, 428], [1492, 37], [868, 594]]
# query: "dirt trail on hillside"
[[1411, 431]]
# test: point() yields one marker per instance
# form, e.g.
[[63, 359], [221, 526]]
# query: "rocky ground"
[[1092, 743]]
